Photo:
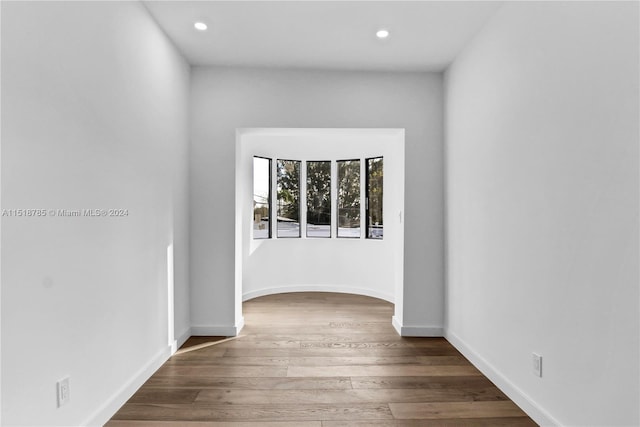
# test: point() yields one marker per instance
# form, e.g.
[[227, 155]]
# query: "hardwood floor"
[[322, 360]]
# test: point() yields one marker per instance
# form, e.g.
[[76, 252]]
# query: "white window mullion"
[[334, 199], [303, 199], [274, 198], [363, 198]]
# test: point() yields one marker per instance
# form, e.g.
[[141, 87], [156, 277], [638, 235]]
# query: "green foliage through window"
[[319, 212], [319, 199], [288, 198], [374, 198], [349, 198]]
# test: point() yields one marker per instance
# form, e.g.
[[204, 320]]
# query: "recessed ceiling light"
[[200, 26], [382, 34]]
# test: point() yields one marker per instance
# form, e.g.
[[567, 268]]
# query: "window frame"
[[299, 199], [366, 186], [306, 225], [337, 219], [269, 197]]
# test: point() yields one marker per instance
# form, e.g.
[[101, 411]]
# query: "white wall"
[[225, 99], [542, 172], [361, 266], [94, 115]]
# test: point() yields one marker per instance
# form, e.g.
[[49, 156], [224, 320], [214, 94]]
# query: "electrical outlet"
[[64, 392], [537, 364]]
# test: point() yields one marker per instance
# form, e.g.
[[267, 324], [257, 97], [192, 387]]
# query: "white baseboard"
[[108, 409], [396, 325], [416, 331], [217, 331], [526, 403], [183, 337], [317, 288]]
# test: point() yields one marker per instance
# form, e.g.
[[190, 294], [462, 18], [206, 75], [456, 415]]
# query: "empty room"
[[319, 213]]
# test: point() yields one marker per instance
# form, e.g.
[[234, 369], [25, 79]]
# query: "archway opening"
[[361, 265]]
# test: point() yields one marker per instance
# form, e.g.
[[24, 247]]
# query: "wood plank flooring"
[[319, 360]]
